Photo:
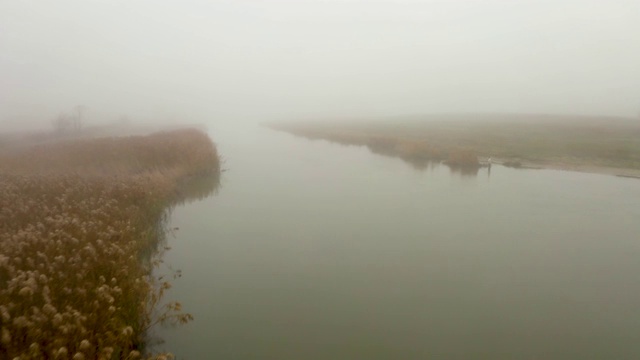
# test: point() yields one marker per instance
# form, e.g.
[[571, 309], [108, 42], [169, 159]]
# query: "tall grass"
[[415, 151], [547, 140], [78, 221]]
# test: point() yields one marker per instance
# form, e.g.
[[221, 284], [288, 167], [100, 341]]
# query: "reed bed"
[[598, 144], [417, 152], [78, 224]]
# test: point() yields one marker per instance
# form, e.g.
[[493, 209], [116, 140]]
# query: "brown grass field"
[[593, 144], [80, 221]]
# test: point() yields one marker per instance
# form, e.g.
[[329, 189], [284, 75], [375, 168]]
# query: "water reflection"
[[195, 188], [198, 188], [281, 267], [464, 171], [418, 154], [421, 164]]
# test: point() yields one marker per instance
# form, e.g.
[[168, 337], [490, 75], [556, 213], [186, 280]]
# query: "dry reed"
[[78, 221]]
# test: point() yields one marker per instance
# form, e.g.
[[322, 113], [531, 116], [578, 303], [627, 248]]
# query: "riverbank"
[[606, 145], [80, 222]]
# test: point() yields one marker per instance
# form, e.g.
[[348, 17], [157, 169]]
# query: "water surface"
[[312, 250]]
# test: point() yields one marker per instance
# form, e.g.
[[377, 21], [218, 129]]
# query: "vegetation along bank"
[[80, 221], [583, 143]]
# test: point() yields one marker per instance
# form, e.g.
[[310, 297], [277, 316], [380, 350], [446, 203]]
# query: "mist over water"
[[321, 251], [314, 250], [233, 61]]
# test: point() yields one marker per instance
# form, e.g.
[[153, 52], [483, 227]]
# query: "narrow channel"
[[313, 250]]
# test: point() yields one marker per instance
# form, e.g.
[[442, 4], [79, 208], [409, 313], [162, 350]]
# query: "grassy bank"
[[570, 142], [78, 222]]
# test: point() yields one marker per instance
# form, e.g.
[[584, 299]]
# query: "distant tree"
[[62, 123], [65, 123], [78, 117]]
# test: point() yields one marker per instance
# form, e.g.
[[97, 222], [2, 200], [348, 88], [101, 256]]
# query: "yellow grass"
[[78, 222], [575, 142]]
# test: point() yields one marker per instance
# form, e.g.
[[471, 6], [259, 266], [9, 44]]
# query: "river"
[[313, 250]]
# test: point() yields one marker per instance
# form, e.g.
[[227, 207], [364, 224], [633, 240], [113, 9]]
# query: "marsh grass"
[[79, 223], [571, 141]]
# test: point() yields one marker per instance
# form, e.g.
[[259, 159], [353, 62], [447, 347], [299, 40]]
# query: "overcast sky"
[[238, 60]]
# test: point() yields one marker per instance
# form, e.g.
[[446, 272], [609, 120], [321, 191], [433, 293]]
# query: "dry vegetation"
[[78, 224], [573, 142], [415, 151]]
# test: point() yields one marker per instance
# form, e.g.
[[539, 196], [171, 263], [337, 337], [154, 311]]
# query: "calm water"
[[312, 250]]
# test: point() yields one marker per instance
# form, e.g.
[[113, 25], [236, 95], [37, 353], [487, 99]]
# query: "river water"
[[312, 250]]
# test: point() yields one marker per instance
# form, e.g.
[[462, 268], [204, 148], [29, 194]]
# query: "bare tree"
[[62, 123], [65, 123], [78, 117]]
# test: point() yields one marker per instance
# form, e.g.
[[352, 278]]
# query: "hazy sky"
[[263, 59]]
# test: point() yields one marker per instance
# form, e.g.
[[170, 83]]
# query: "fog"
[[248, 61]]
